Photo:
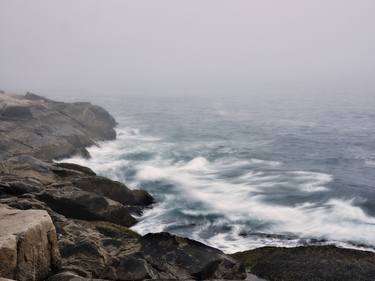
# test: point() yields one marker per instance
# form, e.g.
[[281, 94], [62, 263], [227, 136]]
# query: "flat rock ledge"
[[28, 244]]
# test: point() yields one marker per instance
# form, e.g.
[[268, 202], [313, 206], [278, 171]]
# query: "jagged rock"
[[188, 259], [71, 190], [14, 186], [35, 173], [75, 203], [309, 263], [94, 249], [50, 130], [95, 120], [76, 167], [113, 190], [28, 168], [28, 244], [108, 251]]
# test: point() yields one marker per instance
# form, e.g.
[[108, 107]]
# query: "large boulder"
[[50, 130], [28, 167], [28, 244], [73, 167], [46, 173], [71, 190], [183, 258], [309, 263], [113, 190], [78, 204], [97, 249]]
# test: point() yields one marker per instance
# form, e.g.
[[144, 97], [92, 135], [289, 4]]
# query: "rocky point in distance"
[[61, 221]]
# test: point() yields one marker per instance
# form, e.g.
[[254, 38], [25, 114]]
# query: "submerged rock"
[[309, 263], [28, 245]]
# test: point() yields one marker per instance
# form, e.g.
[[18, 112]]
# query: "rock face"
[[47, 129], [113, 190], [114, 252], [309, 263], [28, 244], [75, 203], [188, 259]]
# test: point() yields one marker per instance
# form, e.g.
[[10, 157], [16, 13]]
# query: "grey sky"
[[187, 47]]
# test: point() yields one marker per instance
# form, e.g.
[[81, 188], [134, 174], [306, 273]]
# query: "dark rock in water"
[[114, 190], [75, 203], [97, 122], [108, 251], [99, 250], [309, 263], [76, 167], [71, 190], [188, 259]]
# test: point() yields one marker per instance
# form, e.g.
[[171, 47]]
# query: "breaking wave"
[[227, 203], [241, 179]]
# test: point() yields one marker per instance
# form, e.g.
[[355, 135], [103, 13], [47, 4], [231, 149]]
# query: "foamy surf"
[[229, 202]]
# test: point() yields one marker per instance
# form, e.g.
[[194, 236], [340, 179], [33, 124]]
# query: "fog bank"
[[209, 47]]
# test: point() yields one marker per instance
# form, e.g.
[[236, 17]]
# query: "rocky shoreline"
[[61, 221]]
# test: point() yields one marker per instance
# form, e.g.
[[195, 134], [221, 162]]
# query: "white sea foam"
[[313, 181], [107, 157], [264, 162], [239, 200], [370, 163]]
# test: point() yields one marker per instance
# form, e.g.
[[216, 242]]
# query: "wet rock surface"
[[110, 251], [188, 258], [309, 263]]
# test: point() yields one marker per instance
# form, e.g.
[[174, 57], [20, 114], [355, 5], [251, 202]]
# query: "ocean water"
[[240, 173]]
